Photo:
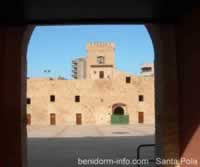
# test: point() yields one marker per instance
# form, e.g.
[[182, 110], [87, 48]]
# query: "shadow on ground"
[[65, 152]]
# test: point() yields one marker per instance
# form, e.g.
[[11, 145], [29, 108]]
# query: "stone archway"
[[119, 114], [118, 111], [14, 41], [120, 105], [166, 102]]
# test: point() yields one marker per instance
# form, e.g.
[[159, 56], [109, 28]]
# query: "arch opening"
[[118, 111]]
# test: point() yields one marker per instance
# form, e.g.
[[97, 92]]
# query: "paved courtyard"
[[90, 131], [68, 146]]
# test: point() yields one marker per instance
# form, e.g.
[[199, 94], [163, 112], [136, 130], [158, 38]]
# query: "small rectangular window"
[[146, 69], [77, 98], [128, 79], [52, 98], [141, 98], [28, 101]]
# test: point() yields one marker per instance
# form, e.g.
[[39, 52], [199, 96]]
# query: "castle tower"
[[100, 60]]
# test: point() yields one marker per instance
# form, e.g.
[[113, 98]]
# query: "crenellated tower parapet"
[[100, 45]]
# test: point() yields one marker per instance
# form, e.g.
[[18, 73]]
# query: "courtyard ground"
[[68, 146], [90, 131]]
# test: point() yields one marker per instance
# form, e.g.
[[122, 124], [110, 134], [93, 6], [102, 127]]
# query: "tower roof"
[[95, 45]]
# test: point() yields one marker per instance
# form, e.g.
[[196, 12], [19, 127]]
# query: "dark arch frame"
[[114, 106], [118, 110], [161, 35]]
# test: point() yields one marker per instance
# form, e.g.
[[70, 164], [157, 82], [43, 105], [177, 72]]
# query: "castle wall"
[[94, 72], [96, 99], [97, 94]]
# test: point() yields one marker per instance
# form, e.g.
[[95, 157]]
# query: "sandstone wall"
[[96, 99]]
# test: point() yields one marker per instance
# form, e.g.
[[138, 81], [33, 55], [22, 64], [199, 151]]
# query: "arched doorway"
[[118, 111], [119, 114]]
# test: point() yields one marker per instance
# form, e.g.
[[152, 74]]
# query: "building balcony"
[[74, 66], [74, 76], [74, 71], [74, 62]]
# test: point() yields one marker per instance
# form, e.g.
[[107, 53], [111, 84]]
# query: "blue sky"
[[54, 47]]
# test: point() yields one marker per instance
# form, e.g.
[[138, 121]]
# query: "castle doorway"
[[118, 111], [28, 119], [140, 117], [52, 119], [101, 74], [78, 119], [118, 114]]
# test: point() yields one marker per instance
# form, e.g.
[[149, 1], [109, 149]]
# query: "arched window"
[[100, 60]]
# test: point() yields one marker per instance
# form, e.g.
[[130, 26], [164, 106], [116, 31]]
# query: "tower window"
[[128, 79], [101, 74], [141, 98], [28, 101], [77, 98], [100, 60], [52, 98]]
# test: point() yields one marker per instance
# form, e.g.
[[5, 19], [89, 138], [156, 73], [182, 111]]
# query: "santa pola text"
[[186, 161], [126, 161]]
